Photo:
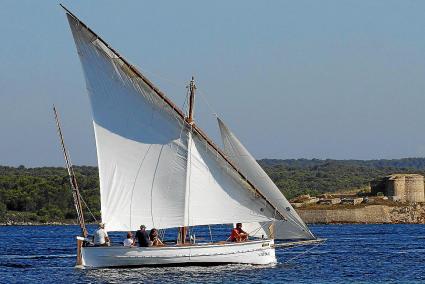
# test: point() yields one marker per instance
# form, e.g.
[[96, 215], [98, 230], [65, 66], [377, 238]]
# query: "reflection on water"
[[353, 253]]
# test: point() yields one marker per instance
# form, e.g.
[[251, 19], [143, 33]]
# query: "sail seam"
[[134, 184], [153, 182]]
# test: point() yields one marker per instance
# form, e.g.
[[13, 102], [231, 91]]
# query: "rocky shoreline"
[[369, 214], [391, 213]]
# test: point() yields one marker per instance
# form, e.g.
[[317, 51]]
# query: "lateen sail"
[[293, 227], [217, 195], [152, 169]]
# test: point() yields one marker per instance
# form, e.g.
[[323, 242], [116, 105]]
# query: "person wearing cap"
[[143, 237], [101, 237]]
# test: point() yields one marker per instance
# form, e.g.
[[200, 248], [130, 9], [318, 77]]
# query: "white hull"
[[252, 252]]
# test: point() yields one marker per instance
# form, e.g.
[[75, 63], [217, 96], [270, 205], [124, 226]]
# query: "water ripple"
[[352, 254]]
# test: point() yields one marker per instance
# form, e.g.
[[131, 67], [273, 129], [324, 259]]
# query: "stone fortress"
[[400, 187], [394, 199]]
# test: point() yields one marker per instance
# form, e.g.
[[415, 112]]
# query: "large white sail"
[[217, 194], [149, 174], [293, 227]]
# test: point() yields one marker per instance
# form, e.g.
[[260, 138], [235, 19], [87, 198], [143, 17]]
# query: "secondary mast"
[[72, 179]]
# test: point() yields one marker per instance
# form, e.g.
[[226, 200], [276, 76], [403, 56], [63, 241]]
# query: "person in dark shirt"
[[143, 237]]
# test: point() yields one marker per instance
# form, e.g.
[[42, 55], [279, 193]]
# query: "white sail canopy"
[[279, 230], [293, 227], [217, 195], [152, 170]]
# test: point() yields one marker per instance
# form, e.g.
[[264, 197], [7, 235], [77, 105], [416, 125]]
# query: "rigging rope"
[[85, 204], [178, 84], [255, 231], [304, 252], [204, 98]]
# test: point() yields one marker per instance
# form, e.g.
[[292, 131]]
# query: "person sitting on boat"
[[101, 237], [143, 237], [153, 236], [238, 235], [129, 241]]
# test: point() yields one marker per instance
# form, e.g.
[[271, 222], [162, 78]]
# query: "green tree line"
[[43, 194]]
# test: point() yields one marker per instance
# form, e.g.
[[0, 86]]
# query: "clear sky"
[[292, 79]]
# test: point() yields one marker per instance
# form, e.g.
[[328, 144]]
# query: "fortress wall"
[[399, 185], [414, 188], [365, 215], [372, 214]]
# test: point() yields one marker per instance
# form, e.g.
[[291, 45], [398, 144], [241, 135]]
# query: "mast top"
[[192, 88]]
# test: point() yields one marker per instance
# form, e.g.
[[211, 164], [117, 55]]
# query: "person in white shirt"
[[129, 241], [100, 237]]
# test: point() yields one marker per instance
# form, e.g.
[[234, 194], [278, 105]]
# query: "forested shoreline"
[[43, 195]]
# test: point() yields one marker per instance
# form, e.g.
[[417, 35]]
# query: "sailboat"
[[158, 168]]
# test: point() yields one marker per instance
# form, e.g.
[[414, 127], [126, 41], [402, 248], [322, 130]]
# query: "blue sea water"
[[352, 254]]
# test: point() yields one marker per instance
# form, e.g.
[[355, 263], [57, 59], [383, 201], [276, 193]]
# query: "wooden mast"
[[72, 179], [182, 235], [192, 88]]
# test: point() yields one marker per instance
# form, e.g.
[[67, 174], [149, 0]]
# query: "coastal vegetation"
[[41, 195], [314, 177]]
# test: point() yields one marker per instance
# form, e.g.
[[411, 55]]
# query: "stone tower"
[[405, 187]]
